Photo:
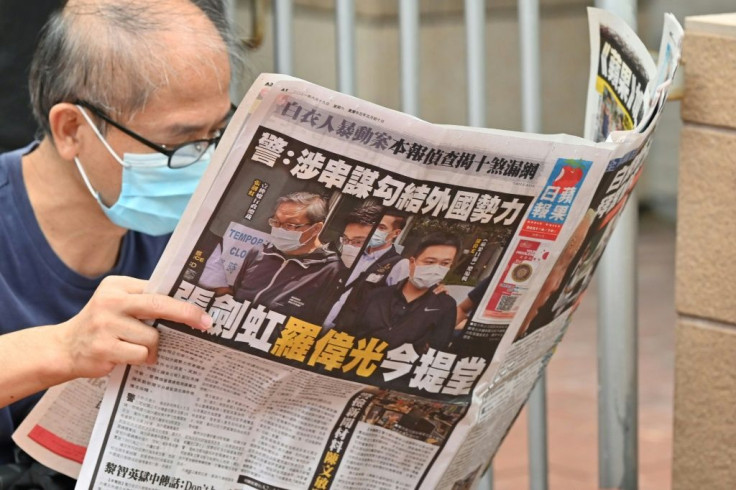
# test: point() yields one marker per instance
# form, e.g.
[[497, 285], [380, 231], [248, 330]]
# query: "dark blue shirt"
[[36, 287]]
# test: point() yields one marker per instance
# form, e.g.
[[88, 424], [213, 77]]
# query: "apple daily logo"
[[553, 204]]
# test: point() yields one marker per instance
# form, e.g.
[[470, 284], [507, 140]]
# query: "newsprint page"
[[385, 291]]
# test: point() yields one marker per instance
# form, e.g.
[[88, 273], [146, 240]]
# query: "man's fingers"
[[152, 354], [135, 332], [127, 353], [138, 333], [154, 306]]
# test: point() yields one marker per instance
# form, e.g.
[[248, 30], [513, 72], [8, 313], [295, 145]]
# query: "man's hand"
[[110, 329]]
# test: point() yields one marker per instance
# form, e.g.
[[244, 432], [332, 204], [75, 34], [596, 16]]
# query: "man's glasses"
[[180, 156], [357, 242], [287, 226]]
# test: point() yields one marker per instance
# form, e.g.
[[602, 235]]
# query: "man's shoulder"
[[10, 163], [441, 301], [13, 194], [386, 261], [382, 292], [257, 256], [257, 250]]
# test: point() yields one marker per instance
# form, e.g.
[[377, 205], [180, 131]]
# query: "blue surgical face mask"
[[152, 195], [378, 238]]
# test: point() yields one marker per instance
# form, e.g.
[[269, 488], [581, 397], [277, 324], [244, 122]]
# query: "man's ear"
[[65, 122], [318, 228]]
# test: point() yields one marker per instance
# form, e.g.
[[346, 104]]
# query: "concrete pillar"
[[705, 363]]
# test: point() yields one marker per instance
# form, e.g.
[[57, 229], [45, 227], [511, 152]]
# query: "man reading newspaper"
[[267, 399], [132, 96]]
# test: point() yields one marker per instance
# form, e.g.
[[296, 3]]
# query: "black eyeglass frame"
[[351, 241], [287, 226], [169, 152]]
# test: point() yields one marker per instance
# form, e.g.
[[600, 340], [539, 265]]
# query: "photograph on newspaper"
[[328, 264]]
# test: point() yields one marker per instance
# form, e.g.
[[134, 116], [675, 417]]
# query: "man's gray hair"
[[316, 206], [112, 54]]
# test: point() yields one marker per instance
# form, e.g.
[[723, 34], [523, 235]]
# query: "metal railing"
[[617, 327]]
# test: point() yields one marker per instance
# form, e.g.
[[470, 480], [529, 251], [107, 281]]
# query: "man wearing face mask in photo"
[[410, 312], [294, 273], [374, 268], [128, 127], [358, 226]]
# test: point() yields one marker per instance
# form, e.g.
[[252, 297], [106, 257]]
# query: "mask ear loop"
[[94, 193], [100, 137], [312, 226]]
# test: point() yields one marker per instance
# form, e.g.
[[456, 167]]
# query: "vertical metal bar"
[[475, 29], [283, 16], [531, 96], [617, 362], [537, 413], [345, 16], [617, 336], [475, 24], [531, 112], [409, 27]]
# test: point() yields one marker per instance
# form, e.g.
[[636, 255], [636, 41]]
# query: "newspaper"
[[313, 378]]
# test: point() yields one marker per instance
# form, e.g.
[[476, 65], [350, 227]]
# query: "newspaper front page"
[[397, 357]]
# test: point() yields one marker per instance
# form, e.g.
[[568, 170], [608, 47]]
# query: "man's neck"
[[371, 251], [70, 218], [411, 292]]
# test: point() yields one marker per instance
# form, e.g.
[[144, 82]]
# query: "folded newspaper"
[[385, 291]]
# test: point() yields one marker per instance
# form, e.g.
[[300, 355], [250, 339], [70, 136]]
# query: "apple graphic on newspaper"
[[569, 176]]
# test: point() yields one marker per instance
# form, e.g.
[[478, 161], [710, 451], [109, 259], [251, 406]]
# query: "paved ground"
[[572, 384]]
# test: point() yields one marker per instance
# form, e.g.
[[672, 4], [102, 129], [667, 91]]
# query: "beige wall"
[[705, 375]]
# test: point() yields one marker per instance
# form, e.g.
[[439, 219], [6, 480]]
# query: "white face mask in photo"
[[426, 276], [349, 254], [286, 241]]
